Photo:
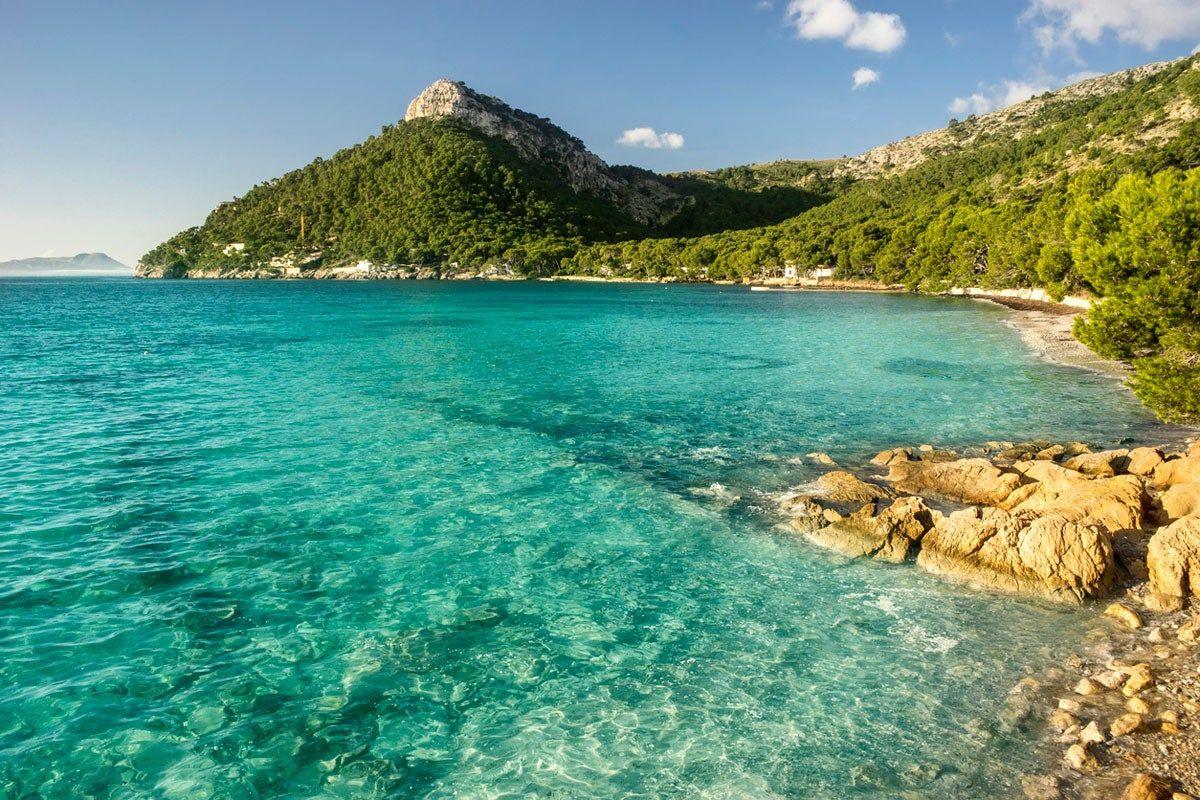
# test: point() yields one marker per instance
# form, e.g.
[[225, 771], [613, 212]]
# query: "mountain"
[[45, 266], [464, 184], [1093, 189]]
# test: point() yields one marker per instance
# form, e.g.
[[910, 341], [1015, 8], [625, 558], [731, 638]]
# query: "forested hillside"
[[1093, 194], [1093, 189]]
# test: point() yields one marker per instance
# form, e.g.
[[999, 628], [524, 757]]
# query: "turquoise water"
[[439, 540]]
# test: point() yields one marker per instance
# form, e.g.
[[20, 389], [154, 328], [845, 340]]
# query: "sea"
[[499, 540]]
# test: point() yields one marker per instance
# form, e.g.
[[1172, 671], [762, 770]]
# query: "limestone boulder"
[[1106, 463], [843, 487], [1143, 460], [1181, 500], [887, 457], [887, 535], [1117, 503], [1173, 558], [969, 480], [1173, 471], [1147, 786], [1049, 556]]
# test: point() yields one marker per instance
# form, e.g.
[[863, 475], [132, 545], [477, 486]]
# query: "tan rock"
[[1113, 503], [1181, 796], [1173, 558], [1054, 475], [1080, 758], [1181, 500], [1113, 679], [1070, 706], [1047, 556], [1124, 614], [1143, 460], [1106, 463], [1126, 724], [1155, 636], [1189, 631], [1137, 705], [1062, 721], [843, 487], [888, 457], [1050, 453], [1140, 678], [824, 459], [1148, 787], [970, 480], [1091, 734], [1184, 469], [1088, 687], [1162, 603], [886, 535]]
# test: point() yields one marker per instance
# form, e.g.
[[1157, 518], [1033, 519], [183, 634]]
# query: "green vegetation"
[[1095, 194]]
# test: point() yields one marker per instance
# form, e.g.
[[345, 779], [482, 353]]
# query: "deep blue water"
[[440, 540]]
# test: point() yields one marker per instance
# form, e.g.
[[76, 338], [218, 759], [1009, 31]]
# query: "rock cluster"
[[1056, 520], [1048, 519]]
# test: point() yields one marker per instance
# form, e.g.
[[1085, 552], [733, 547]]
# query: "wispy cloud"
[[648, 137], [1063, 24], [865, 76], [839, 19]]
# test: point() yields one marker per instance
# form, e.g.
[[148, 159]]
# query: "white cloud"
[[839, 19], [49, 253], [648, 137], [1063, 24], [1008, 94], [764, 5], [865, 76]]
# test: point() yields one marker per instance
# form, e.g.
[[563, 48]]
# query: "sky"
[[124, 122]]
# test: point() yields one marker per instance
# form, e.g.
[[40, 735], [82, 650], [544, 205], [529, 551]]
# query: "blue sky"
[[125, 122]]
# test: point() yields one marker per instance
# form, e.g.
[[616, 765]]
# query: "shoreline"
[[1047, 329], [1115, 531]]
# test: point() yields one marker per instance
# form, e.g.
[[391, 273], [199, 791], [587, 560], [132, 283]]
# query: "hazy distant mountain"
[[82, 264]]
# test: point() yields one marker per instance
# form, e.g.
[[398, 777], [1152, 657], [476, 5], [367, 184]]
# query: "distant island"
[[83, 264], [1083, 191]]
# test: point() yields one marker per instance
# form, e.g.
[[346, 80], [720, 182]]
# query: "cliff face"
[[646, 200]]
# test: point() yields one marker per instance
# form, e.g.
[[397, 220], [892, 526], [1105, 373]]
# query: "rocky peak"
[[1015, 120], [538, 139]]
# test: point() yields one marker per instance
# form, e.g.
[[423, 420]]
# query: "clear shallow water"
[[438, 540]]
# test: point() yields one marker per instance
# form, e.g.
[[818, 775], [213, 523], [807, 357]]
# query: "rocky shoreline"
[[1061, 522]]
